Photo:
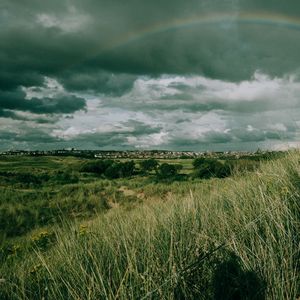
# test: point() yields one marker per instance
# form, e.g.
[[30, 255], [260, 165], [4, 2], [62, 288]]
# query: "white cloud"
[[69, 22], [278, 127], [149, 141], [193, 110], [50, 89], [260, 87]]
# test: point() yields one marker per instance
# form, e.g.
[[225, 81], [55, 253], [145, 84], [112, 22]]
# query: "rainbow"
[[250, 18], [254, 18]]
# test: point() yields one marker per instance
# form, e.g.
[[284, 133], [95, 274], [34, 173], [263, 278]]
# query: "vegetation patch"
[[206, 236]]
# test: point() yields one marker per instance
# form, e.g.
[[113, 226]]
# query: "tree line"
[[202, 168]]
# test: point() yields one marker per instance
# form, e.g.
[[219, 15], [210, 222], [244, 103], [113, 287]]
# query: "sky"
[[197, 75]]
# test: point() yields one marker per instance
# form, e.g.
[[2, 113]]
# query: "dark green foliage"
[[113, 172], [243, 165], [198, 162], [64, 177], [39, 178], [98, 167], [23, 212], [23, 178], [148, 165], [9, 250], [120, 170], [161, 250], [16, 219], [110, 169], [208, 168], [168, 171], [127, 168], [43, 240]]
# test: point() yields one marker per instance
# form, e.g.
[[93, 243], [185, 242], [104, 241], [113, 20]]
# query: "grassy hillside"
[[232, 238]]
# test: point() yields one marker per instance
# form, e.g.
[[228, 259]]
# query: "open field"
[[69, 234]]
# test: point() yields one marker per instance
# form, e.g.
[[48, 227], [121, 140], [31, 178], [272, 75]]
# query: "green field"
[[70, 234]]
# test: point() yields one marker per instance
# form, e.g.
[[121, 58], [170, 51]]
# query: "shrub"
[[244, 165], [24, 179], [127, 168], [109, 168], [16, 220], [168, 171], [208, 168], [119, 170], [98, 167], [64, 177], [43, 240], [198, 162], [9, 250], [113, 172], [148, 165]]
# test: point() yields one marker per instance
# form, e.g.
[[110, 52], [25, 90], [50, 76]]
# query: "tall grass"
[[171, 249]]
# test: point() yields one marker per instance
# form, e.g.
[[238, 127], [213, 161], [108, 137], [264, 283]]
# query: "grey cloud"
[[100, 48], [103, 82], [16, 100], [233, 139], [259, 95], [117, 137], [231, 50], [15, 116], [139, 128], [31, 135]]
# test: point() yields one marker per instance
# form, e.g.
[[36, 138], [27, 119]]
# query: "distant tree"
[[212, 168], [112, 172], [119, 169], [148, 165], [178, 168], [97, 167], [127, 168], [222, 170], [166, 171], [198, 162]]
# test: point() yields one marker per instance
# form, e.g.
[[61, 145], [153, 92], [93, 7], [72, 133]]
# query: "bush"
[[109, 168], [43, 239], [244, 165], [168, 171], [198, 162], [16, 220], [208, 168], [64, 177], [113, 172], [24, 179], [127, 168], [148, 165], [98, 167], [119, 170]]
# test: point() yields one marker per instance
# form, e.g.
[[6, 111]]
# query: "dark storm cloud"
[[16, 100], [138, 128], [69, 40], [289, 7], [15, 116], [31, 135], [98, 49], [98, 81]]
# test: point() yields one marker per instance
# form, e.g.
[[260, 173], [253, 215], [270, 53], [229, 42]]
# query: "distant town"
[[135, 154]]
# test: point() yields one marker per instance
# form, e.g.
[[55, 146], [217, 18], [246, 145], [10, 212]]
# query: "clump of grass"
[[234, 238], [42, 240], [20, 212]]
